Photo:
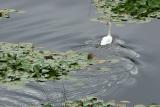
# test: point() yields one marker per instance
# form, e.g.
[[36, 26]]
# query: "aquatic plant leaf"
[[22, 62], [140, 105], [132, 11], [47, 105], [91, 101], [86, 102], [155, 105]]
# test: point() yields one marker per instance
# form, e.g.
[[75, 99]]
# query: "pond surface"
[[65, 24]]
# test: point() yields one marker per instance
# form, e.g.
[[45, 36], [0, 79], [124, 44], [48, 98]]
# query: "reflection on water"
[[63, 25]]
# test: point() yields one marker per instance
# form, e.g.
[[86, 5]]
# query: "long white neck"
[[109, 28], [108, 38]]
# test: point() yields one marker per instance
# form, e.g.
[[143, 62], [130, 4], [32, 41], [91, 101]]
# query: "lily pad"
[[132, 11], [19, 62]]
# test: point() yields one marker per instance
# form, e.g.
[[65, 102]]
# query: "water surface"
[[65, 24]]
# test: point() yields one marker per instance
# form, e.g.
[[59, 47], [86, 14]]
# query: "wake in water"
[[99, 80]]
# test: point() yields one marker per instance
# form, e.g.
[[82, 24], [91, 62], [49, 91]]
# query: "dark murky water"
[[65, 24]]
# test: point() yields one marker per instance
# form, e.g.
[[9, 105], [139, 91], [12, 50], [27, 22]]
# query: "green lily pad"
[[22, 62], [132, 11]]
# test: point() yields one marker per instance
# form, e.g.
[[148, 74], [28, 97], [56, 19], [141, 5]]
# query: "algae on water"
[[95, 102], [86, 102], [21, 62], [120, 11]]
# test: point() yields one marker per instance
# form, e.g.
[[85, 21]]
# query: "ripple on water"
[[102, 83], [99, 80]]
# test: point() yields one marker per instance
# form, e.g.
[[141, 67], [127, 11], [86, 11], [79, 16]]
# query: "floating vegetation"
[[120, 11], [5, 13], [86, 102], [44, 105], [95, 102], [21, 62], [47, 105], [154, 105]]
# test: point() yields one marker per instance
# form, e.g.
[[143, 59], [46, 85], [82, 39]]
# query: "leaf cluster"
[[95, 102], [87, 102], [120, 11], [19, 62]]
